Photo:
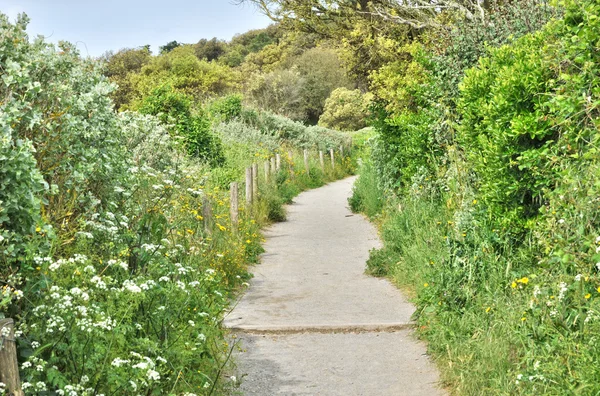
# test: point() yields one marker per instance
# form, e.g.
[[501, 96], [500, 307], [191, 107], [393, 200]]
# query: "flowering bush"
[[115, 286]]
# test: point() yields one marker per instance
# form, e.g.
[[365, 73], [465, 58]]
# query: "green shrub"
[[174, 108], [226, 108], [346, 110]]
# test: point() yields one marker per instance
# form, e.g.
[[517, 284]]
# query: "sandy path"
[[312, 323]]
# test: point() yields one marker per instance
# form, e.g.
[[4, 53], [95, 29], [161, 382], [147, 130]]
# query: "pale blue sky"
[[100, 25]]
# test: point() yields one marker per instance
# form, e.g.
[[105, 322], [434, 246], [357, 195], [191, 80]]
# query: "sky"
[[97, 26]]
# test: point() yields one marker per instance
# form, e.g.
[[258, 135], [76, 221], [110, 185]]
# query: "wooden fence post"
[[278, 161], [342, 151], [267, 167], [322, 160], [234, 206], [273, 167], [306, 164], [207, 215], [249, 186], [9, 365], [255, 182], [332, 158], [291, 160]]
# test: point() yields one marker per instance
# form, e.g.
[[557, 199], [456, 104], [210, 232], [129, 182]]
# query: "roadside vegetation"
[[483, 177], [115, 281]]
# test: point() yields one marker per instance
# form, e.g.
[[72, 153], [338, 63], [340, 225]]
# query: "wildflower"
[[131, 287], [587, 296], [562, 290], [153, 375], [488, 309], [513, 285], [578, 278]]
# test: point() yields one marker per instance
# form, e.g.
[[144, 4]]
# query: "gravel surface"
[[312, 323]]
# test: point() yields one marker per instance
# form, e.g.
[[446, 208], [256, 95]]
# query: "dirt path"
[[312, 323]]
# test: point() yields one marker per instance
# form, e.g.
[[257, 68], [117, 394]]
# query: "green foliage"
[[346, 110], [280, 92], [173, 108], [209, 49], [298, 86], [107, 268], [182, 70], [170, 46], [321, 72], [366, 195], [498, 238], [226, 108], [118, 68]]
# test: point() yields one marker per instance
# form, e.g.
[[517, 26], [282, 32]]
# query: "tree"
[[346, 110], [319, 16], [210, 49], [170, 46], [322, 72], [119, 66]]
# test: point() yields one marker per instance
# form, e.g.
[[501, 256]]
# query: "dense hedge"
[[494, 211]]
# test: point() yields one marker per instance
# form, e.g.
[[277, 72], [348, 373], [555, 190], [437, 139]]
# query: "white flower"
[[133, 385], [232, 378], [153, 375], [141, 365], [561, 221], [98, 282], [26, 365], [131, 287], [562, 290], [191, 323], [117, 362], [578, 278], [166, 278]]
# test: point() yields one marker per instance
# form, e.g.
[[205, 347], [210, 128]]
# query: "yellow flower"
[[426, 284], [524, 280], [248, 241], [221, 227], [523, 319], [513, 285], [587, 296], [488, 309], [199, 218], [474, 202], [598, 289], [190, 232], [38, 229]]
